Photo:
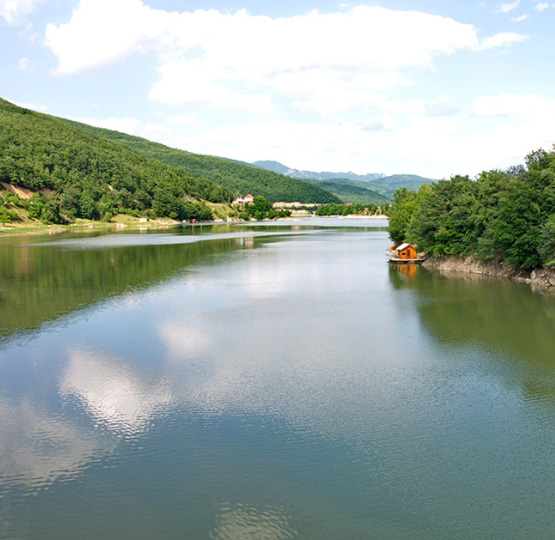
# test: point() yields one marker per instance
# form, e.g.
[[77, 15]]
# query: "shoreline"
[[87, 226], [451, 264], [355, 216]]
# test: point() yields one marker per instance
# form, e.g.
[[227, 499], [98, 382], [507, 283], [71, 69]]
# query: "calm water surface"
[[268, 382]]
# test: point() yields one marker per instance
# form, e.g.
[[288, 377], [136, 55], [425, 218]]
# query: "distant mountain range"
[[311, 175], [350, 187]]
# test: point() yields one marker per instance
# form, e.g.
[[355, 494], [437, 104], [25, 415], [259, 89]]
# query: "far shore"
[[24, 229], [355, 216], [84, 225]]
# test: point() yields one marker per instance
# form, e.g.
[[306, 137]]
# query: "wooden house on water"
[[405, 254]]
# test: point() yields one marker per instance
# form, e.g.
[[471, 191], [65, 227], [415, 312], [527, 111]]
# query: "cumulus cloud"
[[102, 31], [13, 10], [541, 6], [318, 62]]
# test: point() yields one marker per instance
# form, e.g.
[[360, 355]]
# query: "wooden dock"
[[396, 260]]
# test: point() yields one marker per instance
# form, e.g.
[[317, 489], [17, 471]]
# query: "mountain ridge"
[[276, 166], [348, 185]]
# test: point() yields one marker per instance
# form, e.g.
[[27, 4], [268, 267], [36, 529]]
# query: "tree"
[[546, 246], [404, 205]]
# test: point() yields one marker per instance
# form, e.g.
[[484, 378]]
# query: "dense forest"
[[353, 191], [82, 175], [504, 216], [238, 177]]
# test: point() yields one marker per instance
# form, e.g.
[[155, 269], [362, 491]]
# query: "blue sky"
[[426, 87]]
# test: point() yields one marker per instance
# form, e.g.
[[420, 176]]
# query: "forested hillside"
[[506, 216], [355, 191], [387, 185], [239, 178], [91, 177]]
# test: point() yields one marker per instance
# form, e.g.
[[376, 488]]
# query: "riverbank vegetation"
[[352, 210], [503, 216], [261, 209]]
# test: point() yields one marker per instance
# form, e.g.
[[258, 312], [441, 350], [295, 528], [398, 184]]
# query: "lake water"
[[268, 382]]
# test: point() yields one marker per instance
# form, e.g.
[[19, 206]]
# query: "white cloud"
[[510, 104], [425, 137], [244, 62], [31, 106], [541, 6], [102, 31], [13, 10], [25, 64], [505, 8], [131, 126], [126, 125], [520, 18], [442, 107], [501, 40]]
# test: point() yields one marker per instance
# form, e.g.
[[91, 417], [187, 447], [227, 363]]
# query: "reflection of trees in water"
[[500, 314], [40, 283]]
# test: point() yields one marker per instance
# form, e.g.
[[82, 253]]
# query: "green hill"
[[239, 178], [88, 176], [387, 185], [355, 191]]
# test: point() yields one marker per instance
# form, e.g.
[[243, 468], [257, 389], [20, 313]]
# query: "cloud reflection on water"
[[113, 393], [39, 447]]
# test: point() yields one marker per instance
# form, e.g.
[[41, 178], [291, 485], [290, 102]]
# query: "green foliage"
[[7, 215], [502, 215], [89, 175], [442, 219], [404, 205], [261, 209], [353, 191], [388, 185], [546, 247], [349, 209], [235, 176]]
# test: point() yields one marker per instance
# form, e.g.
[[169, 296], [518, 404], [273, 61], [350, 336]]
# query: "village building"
[[241, 200]]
